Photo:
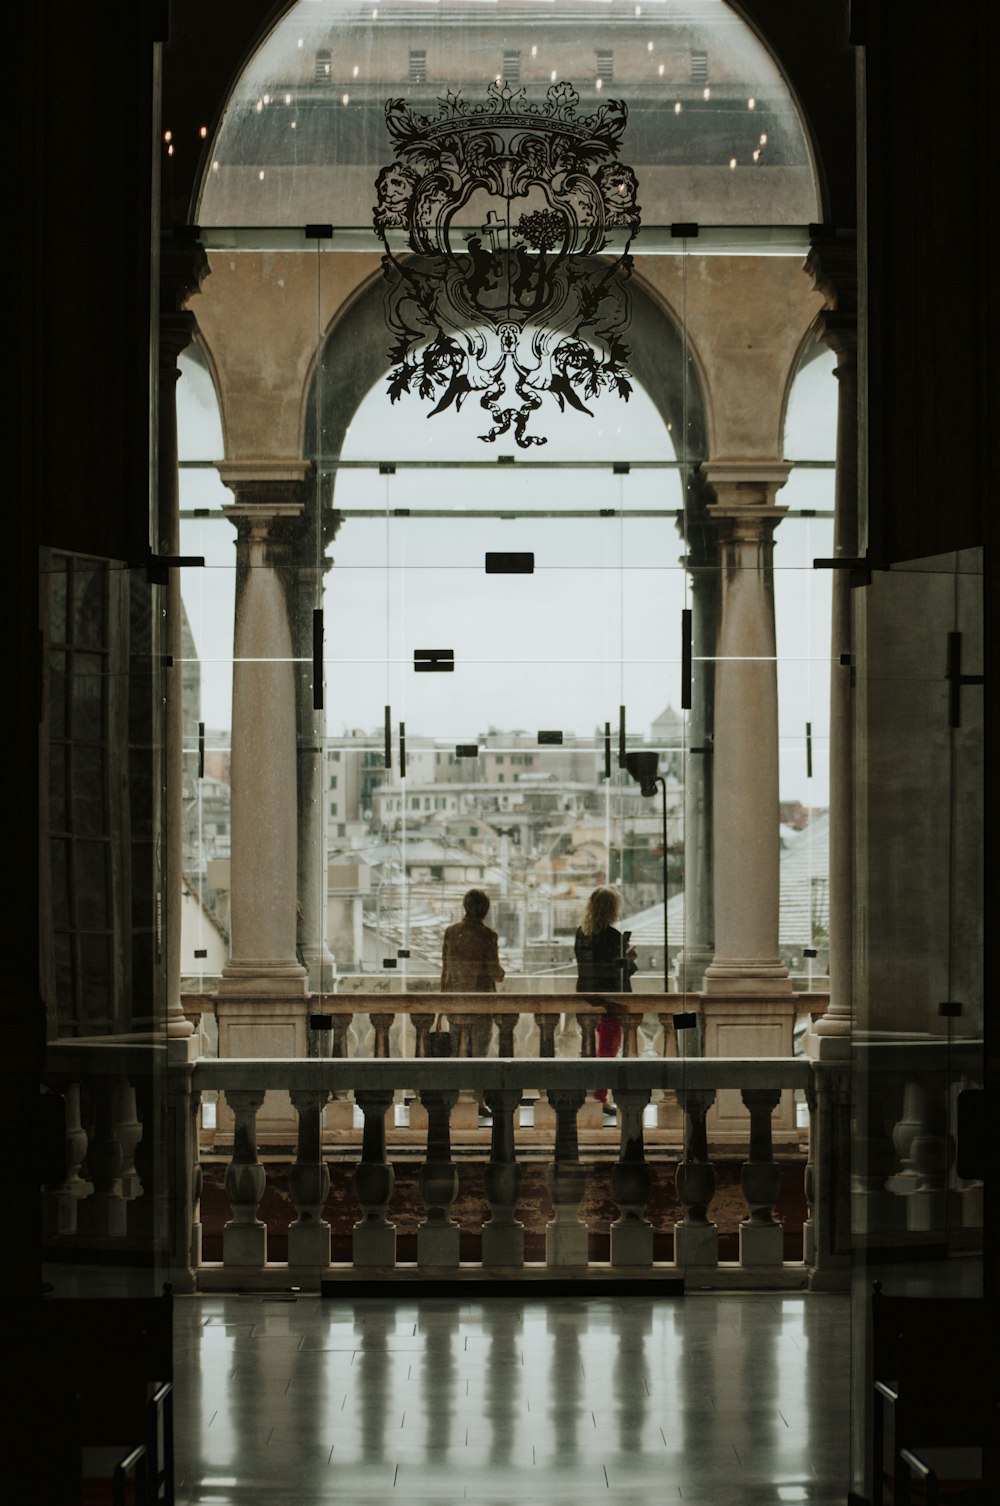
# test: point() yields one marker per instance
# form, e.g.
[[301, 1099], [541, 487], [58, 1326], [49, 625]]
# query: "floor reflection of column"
[[502, 1382], [373, 1383], [565, 1384]]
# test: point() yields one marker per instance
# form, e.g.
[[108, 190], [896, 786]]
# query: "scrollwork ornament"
[[507, 227]]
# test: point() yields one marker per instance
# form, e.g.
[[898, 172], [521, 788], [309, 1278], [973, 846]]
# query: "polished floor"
[[725, 1399]]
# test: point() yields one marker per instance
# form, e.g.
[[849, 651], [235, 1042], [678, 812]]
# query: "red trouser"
[[609, 1040]]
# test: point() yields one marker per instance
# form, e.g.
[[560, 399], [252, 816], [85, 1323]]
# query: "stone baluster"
[[244, 1238], [338, 1045], [104, 1212], [381, 1024], [696, 1240], [630, 1034], [826, 1236], [129, 1133], [180, 1212], [566, 1233], [932, 1153], [588, 1034], [145, 1211], [503, 1236], [870, 1156], [506, 1025], [761, 1238], [62, 1202], [631, 1180], [194, 1119], [374, 1241], [438, 1236], [422, 1024], [809, 1187], [460, 1026], [906, 1129], [546, 1034], [309, 1183], [340, 1110]]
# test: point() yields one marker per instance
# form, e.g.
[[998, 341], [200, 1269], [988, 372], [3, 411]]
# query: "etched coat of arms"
[[506, 229]]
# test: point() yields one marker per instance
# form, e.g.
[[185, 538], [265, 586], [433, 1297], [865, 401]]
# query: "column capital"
[[183, 268], [833, 265], [745, 486], [266, 488]]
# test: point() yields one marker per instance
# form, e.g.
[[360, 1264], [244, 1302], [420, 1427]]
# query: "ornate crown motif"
[[522, 299]]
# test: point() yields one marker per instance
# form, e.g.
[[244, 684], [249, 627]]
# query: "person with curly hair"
[[604, 965]]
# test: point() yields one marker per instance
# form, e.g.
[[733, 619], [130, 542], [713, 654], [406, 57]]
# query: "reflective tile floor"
[[724, 1399]]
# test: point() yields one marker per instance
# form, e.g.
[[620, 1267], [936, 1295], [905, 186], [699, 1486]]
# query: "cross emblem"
[[492, 228]]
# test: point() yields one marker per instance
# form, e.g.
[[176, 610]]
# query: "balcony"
[[679, 1119]]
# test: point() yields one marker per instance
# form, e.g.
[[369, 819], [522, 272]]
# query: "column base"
[[696, 1244], [438, 1244], [761, 1245], [873, 1212], [244, 1245], [827, 1046], [632, 1243], [503, 1245], [321, 969], [748, 978], [263, 979], [927, 1211], [309, 1245], [263, 1025], [566, 1244], [374, 1245]]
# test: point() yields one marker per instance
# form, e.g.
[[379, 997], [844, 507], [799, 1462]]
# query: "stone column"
[[316, 530], [183, 268], [745, 795], [264, 815], [261, 1007], [701, 563], [833, 264]]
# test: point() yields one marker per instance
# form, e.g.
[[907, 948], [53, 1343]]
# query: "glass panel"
[[918, 1050], [713, 134]]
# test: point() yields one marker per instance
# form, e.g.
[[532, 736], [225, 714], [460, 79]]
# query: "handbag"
[[438, 1041]]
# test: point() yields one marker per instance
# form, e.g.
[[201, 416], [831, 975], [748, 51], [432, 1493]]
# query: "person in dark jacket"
[[604, 965], [470, 964]]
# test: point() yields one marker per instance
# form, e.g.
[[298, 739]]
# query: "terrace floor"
[[713, 1399]]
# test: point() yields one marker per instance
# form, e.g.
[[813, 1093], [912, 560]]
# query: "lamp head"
[[644, 768]]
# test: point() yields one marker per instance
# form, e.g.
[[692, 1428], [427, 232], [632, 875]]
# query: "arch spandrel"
[[260, 315], [745, 318]]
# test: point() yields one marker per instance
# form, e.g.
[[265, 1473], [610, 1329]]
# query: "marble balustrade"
[[902, 1181]]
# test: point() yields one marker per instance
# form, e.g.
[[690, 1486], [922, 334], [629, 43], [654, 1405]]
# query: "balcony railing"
[[112, 1089]]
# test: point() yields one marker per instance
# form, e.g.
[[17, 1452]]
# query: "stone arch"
[[658, 352]]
